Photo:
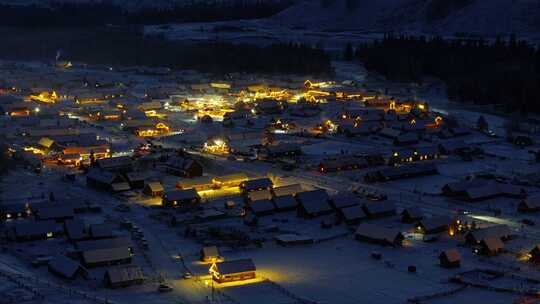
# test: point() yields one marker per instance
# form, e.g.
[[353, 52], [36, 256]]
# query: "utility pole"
[[212, 290]]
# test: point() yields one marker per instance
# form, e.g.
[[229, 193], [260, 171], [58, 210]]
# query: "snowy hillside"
[[128, 4], [485, 17]]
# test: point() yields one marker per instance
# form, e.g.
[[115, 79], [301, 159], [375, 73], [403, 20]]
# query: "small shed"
[[412, 214], [529, 204], [534, 254], [491, 246], [123, 276], [210, 254], [154, 189], [450, 258], [135, 180], [233, 271]]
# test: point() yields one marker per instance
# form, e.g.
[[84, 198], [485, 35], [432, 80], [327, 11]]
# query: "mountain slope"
[[484, 17]]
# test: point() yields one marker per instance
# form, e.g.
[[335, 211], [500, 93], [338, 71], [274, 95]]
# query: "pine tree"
[[482, 123], [348, 54]]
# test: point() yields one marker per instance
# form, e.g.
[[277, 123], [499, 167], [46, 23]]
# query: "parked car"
[[164, 288], [122, 208], [528, 222]]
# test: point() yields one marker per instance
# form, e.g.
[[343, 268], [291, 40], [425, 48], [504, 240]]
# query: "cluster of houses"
[[89, 245]]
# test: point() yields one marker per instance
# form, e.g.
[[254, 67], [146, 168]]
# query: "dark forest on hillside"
[[124, 47], [197, 11], [102, 13], [476, 71]]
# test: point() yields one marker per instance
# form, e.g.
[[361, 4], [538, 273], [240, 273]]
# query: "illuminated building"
[[216, 146], [233, 271], [45, 97], [231, 180]]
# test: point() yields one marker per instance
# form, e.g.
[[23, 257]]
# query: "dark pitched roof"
[[378, 207], [114, 162], [285, 202], [236, 266], [414, 212], [434, 223], [532, 202], [180, 195], [119, 242], [378, 233], [30, 228], [64, 266], [154, 186], [101, 230], [259, 195], [353, 213], [493, 244], [287, 190], [210, 251], [75, 229], [255, 184], [499, 231], [314, 201], [104, 177], [127, 273], [54, 212], [345, 199], [105, 255], [452, 255], [262, 206]]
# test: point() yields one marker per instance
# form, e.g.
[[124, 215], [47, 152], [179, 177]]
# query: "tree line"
[[61, 14], [503, 72], [111, 46]]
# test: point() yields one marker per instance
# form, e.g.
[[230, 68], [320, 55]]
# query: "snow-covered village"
[[321, 169]]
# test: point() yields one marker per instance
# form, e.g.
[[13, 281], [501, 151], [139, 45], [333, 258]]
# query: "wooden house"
[[450, 258], [154, 189], [233, 271], [181, 198]]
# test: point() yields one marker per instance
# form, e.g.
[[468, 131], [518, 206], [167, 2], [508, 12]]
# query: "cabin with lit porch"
[[181, 198], [233, 271]]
